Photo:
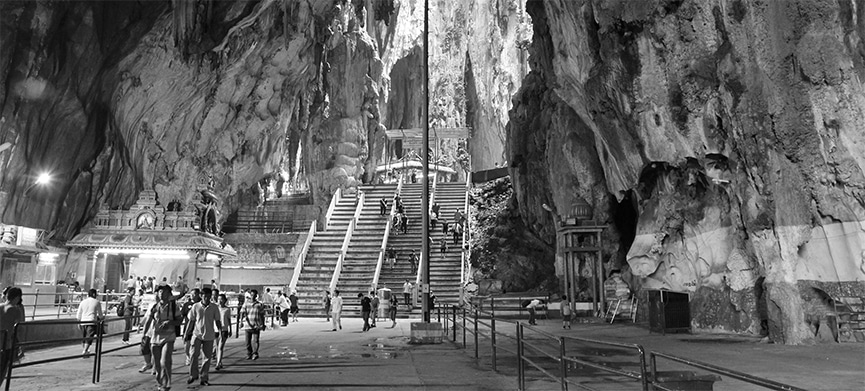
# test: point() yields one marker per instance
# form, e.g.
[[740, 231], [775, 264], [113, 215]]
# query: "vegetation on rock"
[[503, 247]]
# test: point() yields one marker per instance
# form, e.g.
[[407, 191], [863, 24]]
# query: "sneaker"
[[204, 383], [125, 342], [145, 368], [333, 330], [255, 356], [191, 380], [249, 357]]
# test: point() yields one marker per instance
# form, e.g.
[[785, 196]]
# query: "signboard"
[[27, 237], [424, 288]]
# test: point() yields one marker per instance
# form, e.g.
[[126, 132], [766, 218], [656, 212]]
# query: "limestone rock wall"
[[115, 97], [735, 127]]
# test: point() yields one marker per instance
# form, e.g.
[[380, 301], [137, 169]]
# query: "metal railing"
[[387, 228], [466, 248], [531, 347], [765, 383], [97, 343], [352, 224], [298, 267], [333, 201], [66, 304]]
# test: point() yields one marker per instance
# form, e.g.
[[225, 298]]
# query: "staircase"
[[445, 268], [321, 260], [394, 278], [358, 267]]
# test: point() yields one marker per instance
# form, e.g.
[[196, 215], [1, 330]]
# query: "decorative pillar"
[[217, 270]]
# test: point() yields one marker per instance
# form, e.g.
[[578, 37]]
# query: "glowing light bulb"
[[43, 178]]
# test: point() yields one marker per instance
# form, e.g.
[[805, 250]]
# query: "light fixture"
[[43, 179]]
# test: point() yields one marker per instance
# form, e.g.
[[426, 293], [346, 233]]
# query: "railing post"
[[464, 328], [476, 335], [493, 339], [564, 363], [521, 375], [35, 303], [96, 353], [454, 308], [654, 369]]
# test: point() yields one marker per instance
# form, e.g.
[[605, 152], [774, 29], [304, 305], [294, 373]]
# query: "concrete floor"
[[307, 355]]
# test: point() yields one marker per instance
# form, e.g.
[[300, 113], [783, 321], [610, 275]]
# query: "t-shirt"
[[203, 320], [565, 308], [252, 316], [225, 317], [534, 303], [406, 288], [293, 300], [365, 303], [374, 302], [164, 312], [336, 303], [89, 310], [9, 315]]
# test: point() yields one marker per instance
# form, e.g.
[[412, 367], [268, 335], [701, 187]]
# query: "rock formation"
[[734, 126]]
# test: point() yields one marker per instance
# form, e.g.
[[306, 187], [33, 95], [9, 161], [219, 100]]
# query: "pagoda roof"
[[152, 240]]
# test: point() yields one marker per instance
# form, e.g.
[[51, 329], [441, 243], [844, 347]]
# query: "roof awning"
[[153, 240]]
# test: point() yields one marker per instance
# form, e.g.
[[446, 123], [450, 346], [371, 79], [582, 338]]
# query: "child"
[[566, 313]]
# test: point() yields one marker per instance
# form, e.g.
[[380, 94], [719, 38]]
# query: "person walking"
[[127, 311], [532, 307], [394, 302], [444, 227], [565, 309], [164, 318], [373, 307], [413, 259], [253, 322], [443, 245], [144, 347], [282, 305], [10, 314], [457, 232], [365, 304], [89, 310], [194, 297], [406, 290], [180, 286], [203, 316], [336, 310], [225, 332], [326, 300], [382, 204], [293, 308]]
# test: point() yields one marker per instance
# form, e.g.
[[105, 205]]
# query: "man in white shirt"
[[532, 307], [406, 292], [130, 283], [89, 310], [336, 310], [203, 317]]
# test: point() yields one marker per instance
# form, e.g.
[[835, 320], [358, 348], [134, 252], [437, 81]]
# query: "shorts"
[[89, 331], [566, 318], [293, 310]]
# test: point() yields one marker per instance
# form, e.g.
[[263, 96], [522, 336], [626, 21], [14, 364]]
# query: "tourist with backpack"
[[165, 319]]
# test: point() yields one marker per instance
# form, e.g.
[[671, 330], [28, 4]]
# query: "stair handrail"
[[466, 245], [387, 228], [333, 201], [298, 267], [345, 241]]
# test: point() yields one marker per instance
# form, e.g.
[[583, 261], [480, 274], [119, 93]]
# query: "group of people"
[[204, 327]]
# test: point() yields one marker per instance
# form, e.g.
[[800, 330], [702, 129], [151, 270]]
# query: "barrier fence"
[[564, 359]]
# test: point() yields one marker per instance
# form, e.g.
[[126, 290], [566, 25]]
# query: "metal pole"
[[563, 363], [652, 364], [425, 277], [521, 375], [101, 334], [476, 334], [13, 347], [96, 356], [454, 308], [464, 328], [493, 339], [35, 303]]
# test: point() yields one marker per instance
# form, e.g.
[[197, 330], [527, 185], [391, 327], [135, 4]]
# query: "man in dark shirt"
[[365, 307]]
